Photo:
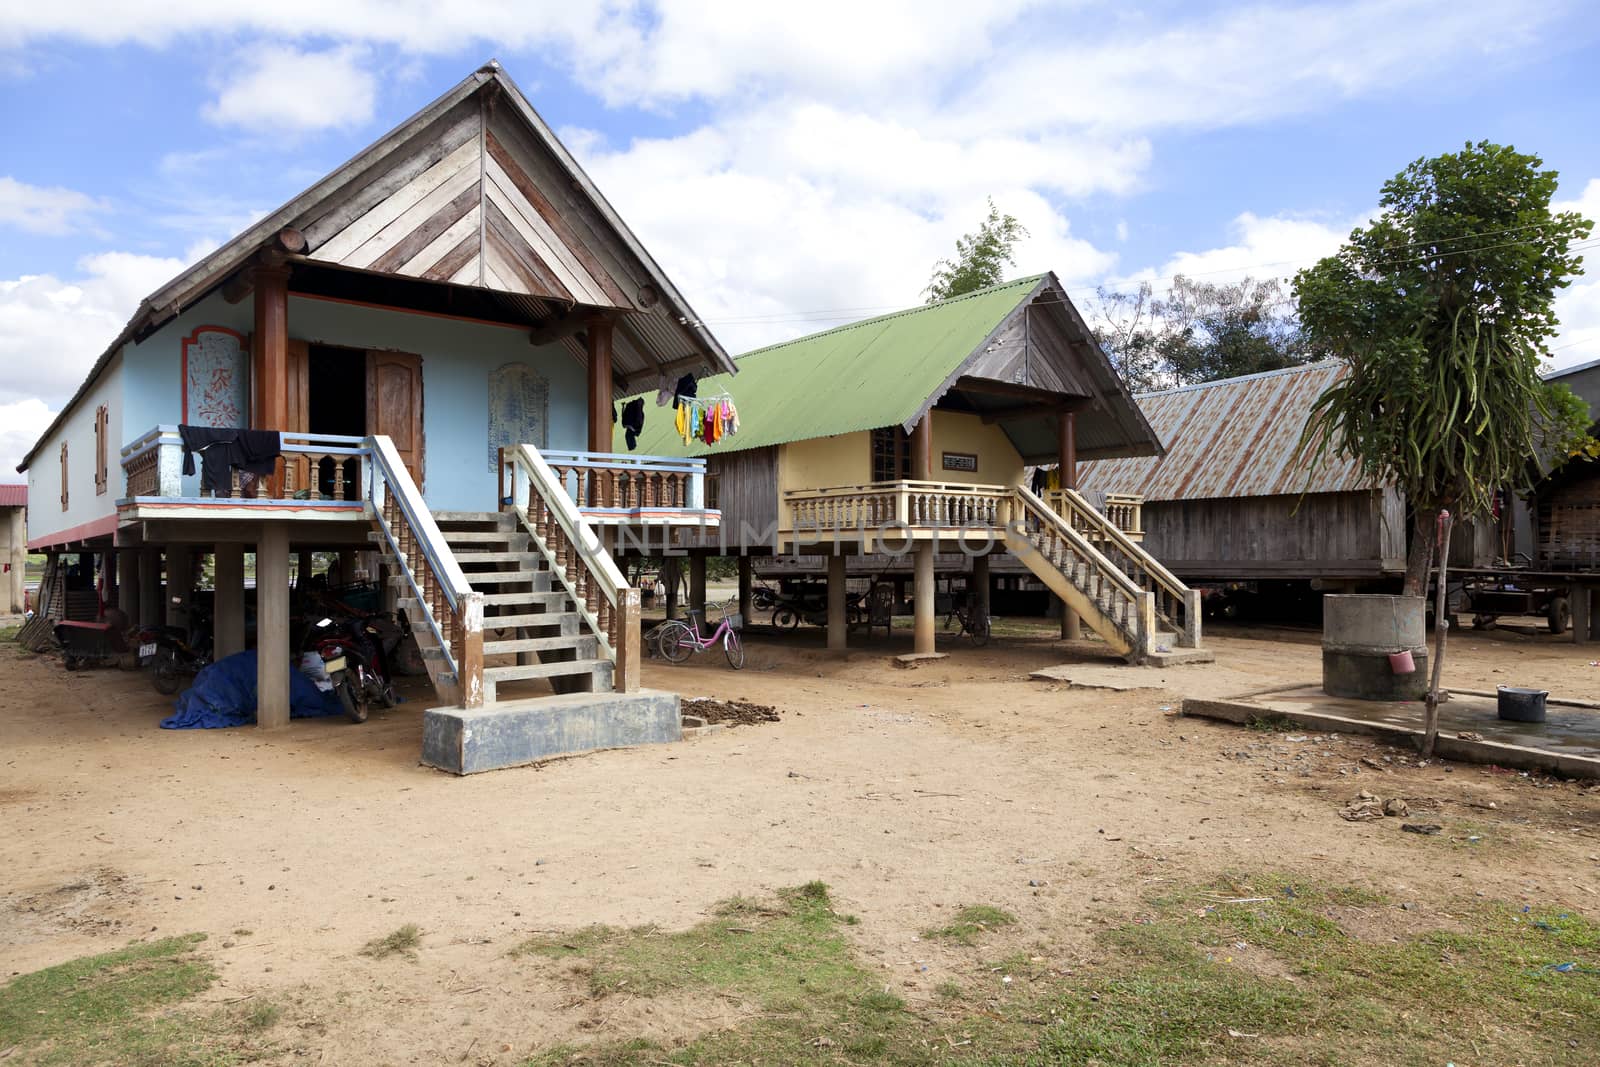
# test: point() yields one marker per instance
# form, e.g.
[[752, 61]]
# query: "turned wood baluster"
[[591, 598]]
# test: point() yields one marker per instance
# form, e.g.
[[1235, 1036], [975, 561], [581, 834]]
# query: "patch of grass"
[[1272, 724], [123, 1007], [970, 922], [1264, 970], [9, 633], [403, 942]]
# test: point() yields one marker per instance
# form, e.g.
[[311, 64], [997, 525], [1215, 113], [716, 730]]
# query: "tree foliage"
[[981, 257], [1198, 331], [1443, 308]]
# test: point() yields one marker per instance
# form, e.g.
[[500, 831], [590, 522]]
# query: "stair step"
[[477, 578], [548, 618], [556, 596], [537, 644], [497, 517], [464, 558], [543, 670], [465, 537]]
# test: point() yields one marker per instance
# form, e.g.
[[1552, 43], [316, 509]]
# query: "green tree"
[[1198, 331], [981, 257], [1442, 308]]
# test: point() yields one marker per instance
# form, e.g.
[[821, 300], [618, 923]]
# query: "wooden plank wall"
[[747, 490], [473, 203], [1327, 535], [1569, 525]]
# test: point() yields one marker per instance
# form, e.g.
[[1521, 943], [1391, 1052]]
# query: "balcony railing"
[[912, 505], [1125, 510], [313, 467], [612, 487]]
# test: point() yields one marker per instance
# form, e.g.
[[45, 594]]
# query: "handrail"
[[1165, 578], [580, 561], [967, 488], [624, 461], [397, 480], [1031, 503]]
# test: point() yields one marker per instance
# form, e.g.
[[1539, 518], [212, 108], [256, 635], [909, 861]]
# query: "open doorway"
[[336, 403]]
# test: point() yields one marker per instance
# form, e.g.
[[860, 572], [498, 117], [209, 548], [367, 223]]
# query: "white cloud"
[[1273, 246], [45, 209], [21, 423], [275, 87], [1578, 306], [53, 329]]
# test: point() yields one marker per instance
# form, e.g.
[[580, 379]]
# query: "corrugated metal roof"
[[877, 372], [1233, 438], [13, 496]]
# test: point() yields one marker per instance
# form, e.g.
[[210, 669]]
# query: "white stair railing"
[[451, 610], [605, 601]]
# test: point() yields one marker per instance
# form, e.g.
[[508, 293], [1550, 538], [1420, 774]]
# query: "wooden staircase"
[[1117, 588]]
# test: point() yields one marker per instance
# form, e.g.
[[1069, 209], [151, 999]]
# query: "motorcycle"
[[354, 654], [176, 652]]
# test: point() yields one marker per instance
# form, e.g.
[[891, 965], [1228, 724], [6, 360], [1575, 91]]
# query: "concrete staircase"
[[1119, 591], [528, 610]]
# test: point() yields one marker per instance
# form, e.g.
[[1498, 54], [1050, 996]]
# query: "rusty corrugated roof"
[[1233, 438]]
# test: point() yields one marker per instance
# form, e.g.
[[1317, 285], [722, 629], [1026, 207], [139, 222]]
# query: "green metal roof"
[[877, 372]]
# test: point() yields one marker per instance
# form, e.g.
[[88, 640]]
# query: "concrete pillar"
[[17, 557], [228, 624], [980, 585], [669, 578], [180, 584], [1580, 603], [746, 574], [922, 448], [697, 583], [838, 624], [347, 566], [150, 610], [1071, 625], [129, 587], [272, 626], [922, 597]]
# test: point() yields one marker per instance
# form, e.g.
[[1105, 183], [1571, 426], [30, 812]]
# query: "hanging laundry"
[[680, 422], [664, 391], [687, 387], [633, 420]]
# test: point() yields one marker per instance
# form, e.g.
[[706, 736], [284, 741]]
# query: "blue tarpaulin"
[[224, 694]]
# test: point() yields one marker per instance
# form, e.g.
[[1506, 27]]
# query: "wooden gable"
[[472, 199]]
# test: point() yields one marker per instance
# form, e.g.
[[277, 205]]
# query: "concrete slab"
[[1470, 728], [514, 733], [911, 659], [1121, 678]]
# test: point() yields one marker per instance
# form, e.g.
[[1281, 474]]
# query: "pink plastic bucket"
[[1401, 662]]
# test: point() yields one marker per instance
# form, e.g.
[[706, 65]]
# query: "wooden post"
[[922, 595], [469, 637], [228, 620], [1441, 634], [270, 354], [697, 583], [303, 566], [130, 588], [922, 448], [838, 624], [108, 579], [980, 585], [599, 344], [347, 566], [150, 611], [669, 578], [180, 585], [629, 645], [1067, 459], [1579, 603], [745, 574], [272, 626]]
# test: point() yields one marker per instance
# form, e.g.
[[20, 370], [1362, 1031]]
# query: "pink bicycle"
[[678, 640]]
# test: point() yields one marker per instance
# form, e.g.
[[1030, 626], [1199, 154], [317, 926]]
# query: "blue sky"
[[790, 167]]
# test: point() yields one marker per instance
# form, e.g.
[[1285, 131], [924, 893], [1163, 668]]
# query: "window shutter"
[[63, 476], [102, 427]]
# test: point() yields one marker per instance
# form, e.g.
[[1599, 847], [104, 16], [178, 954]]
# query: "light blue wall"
[[457, 358]]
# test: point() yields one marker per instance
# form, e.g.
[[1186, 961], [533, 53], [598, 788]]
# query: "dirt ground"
[[910, 793]]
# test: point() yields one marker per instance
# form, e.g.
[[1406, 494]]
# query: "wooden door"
[[394, 405], [297, 411]]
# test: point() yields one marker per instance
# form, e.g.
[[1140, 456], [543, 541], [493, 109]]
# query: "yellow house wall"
[[847, 458]]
